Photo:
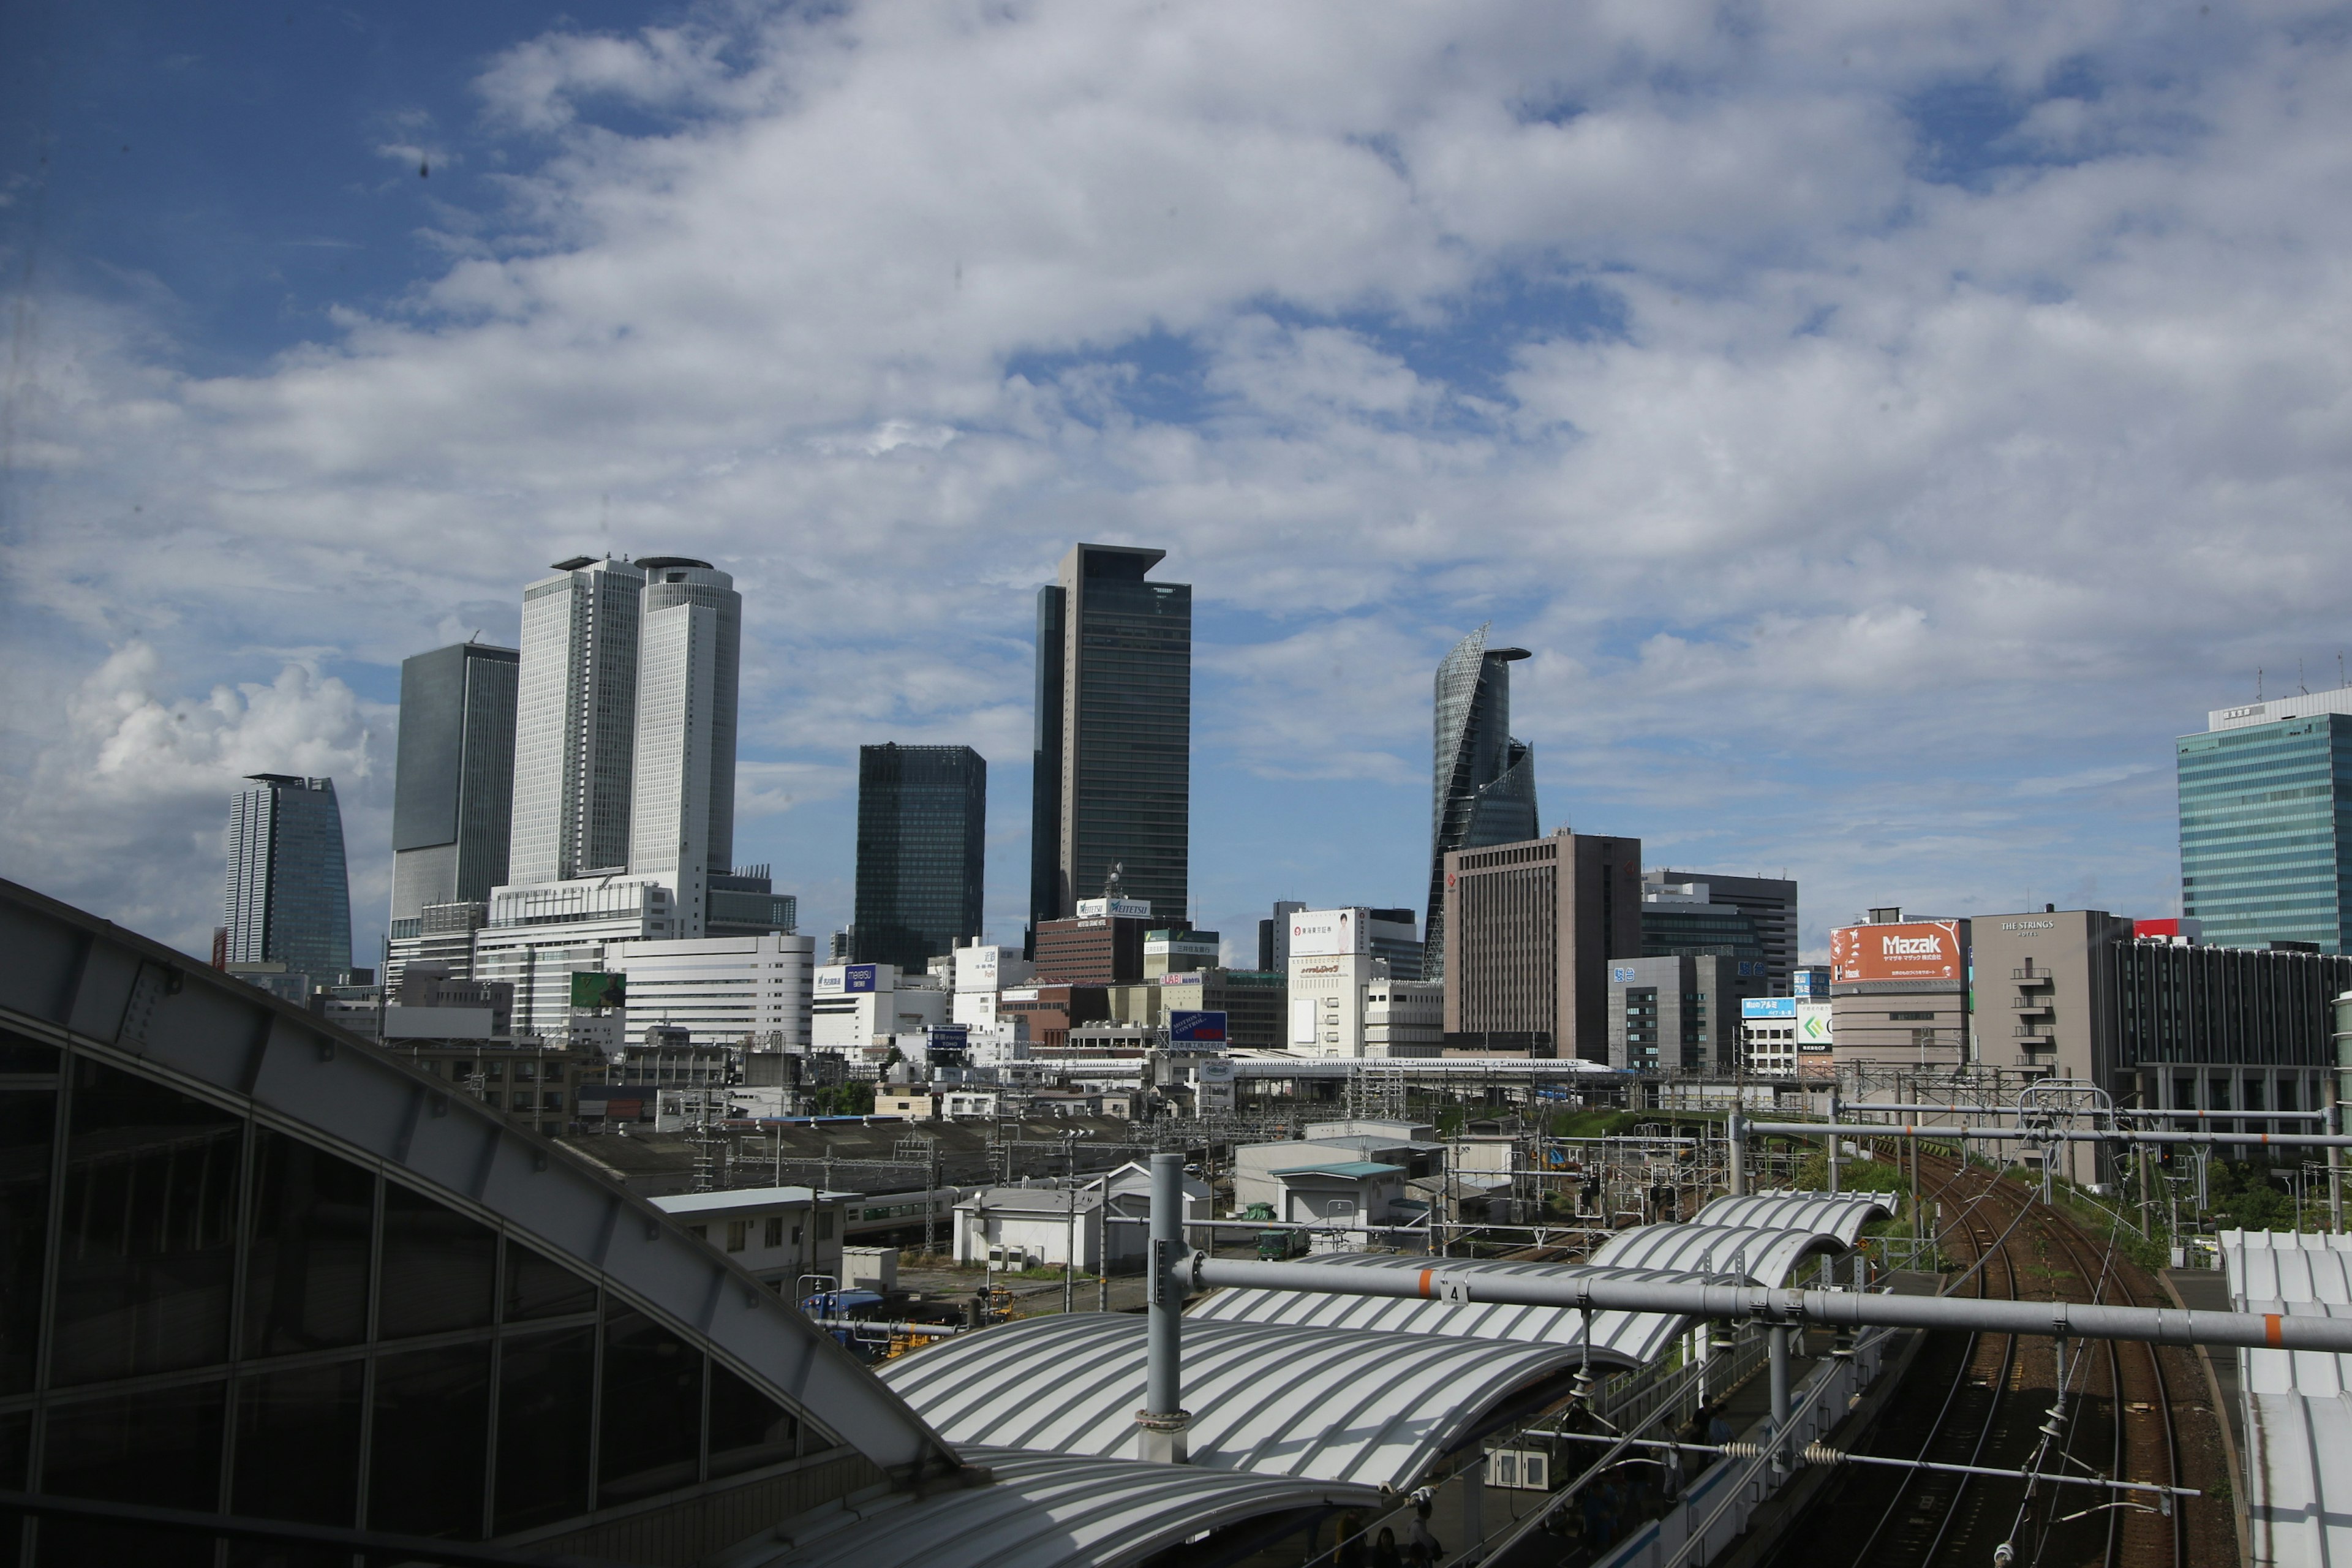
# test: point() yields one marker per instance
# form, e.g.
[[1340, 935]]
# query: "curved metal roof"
[[1624, 1339], [1368, 1408], [2298, 1405], [1767, 1257], [1045, 1510], [222, 1039], [1842, 1215]]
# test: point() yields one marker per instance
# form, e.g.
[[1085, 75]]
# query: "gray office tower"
[[1769, 901], [1484, 790], [576, 720], [922, 832], [288, 896], [452, 787], [1113, 757]]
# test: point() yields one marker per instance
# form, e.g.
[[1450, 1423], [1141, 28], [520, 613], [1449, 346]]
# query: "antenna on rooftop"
[[2299, 686]]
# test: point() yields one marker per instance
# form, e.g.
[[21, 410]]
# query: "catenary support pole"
[[1163, 1419], [1737, 1130], [1780, 1333], [1834, 1136]]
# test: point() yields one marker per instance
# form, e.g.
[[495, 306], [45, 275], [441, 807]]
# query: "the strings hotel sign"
[[1910, 950]]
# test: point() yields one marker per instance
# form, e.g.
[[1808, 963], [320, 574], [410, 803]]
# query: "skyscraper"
[[2266, 823], [288, 896], [452, 793], [682, 825], [576, 720], [922, 827], [1483, 791], [1113, 777]]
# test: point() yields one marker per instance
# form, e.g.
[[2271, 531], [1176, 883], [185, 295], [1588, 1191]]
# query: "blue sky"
[[1889, 429]]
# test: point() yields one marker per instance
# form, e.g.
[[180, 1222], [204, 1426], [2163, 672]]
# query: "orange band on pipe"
[[1424, 1280], [2271, 1328]]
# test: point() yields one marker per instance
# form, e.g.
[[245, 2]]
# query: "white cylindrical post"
[[1162, 1418]]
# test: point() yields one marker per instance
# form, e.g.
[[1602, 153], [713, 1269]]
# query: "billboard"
[[847, 979], [1620, 975], [1906, 950], [1216, 1083], [1809, 980], [1190, 1026], [1767, 1008], [1812, 1025], [1114, 909], [594, 988], [1329, 933]]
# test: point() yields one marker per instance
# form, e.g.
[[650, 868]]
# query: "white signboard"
[[1115, 909], [1329, 933], [1812, 1025], [1302, 1020]]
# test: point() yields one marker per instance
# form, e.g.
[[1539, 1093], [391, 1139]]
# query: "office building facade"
[[2266, 823], [1255, 1003], [682, 792], [1899, 993], [922, 830], [1529, 929], [1113, 770], [287, 897], [576, 720], [1683, 920], [1274, 937], [754, 992], [744, 903], [1483, 785], [1091, 949], [1768, 902], [452, 788], [1680, 1012]]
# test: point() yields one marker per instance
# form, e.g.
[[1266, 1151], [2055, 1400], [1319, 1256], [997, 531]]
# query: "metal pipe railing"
[[2052, 1134], [1837, 1309]]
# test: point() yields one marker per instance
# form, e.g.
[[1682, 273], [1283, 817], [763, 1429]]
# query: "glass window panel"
[[298, 1445], [27, 1126], [161, 1446], [537, 1286], [307, 1273], [431, 1451], [545, 1386], [748, 1429], [652, 1418], [440, 1268], [19, 1056], [150, 1225]]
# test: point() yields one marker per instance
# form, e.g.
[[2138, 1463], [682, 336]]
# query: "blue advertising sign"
[[1768, 1008], [1622, 975], [948, 1036], [857, 977], [1186, 1025]]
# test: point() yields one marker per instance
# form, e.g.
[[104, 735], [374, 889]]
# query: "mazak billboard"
[[1908, 950]]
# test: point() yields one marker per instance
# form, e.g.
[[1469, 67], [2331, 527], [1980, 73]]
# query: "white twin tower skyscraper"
[[625, 745]]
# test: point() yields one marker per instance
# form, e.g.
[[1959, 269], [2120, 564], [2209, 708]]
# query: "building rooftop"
[[1348, 1169]]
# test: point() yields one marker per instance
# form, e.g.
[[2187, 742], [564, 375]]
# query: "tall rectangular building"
[[922, 835], [576, 720], [1769, 901], [1530, 930], [453, 790], [2266, 823], [1113, 780], [1483, 787], [287, 894]]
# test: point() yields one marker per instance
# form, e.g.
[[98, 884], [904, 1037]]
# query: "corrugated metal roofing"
[[1842, 1215], [1044, 1511], [1619, 1339], [1351, 1170], [1369, 1407], [1767, 1257], [2297, 1409]]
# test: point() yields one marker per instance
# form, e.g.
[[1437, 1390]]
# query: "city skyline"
[[1872, 512]]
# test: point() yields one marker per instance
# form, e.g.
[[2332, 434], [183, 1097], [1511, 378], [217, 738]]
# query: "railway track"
[[1987, 1399]]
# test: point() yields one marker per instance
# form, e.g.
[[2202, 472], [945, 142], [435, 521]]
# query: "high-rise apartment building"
[[1530, 930], [576, 720], [1770, 903], [923, 831], [452, 793], [2266, 823], [1484, 786], [1113, 755], [287, 894]]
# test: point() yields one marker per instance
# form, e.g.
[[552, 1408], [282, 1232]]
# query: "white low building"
[[783, 1235], [1030, 1228], [857, 1005], [538, 936]]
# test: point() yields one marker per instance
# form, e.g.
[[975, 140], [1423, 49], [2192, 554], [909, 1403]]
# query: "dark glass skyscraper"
[[922, 827], [1114, 763], [287, 899], [2266, 824], [1484, 790], [452, 793]]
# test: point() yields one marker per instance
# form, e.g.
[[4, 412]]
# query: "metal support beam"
[[1163, 1419], [1779, 1350], [1574, 1288], [2058, 1134], [1736, 1128]]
